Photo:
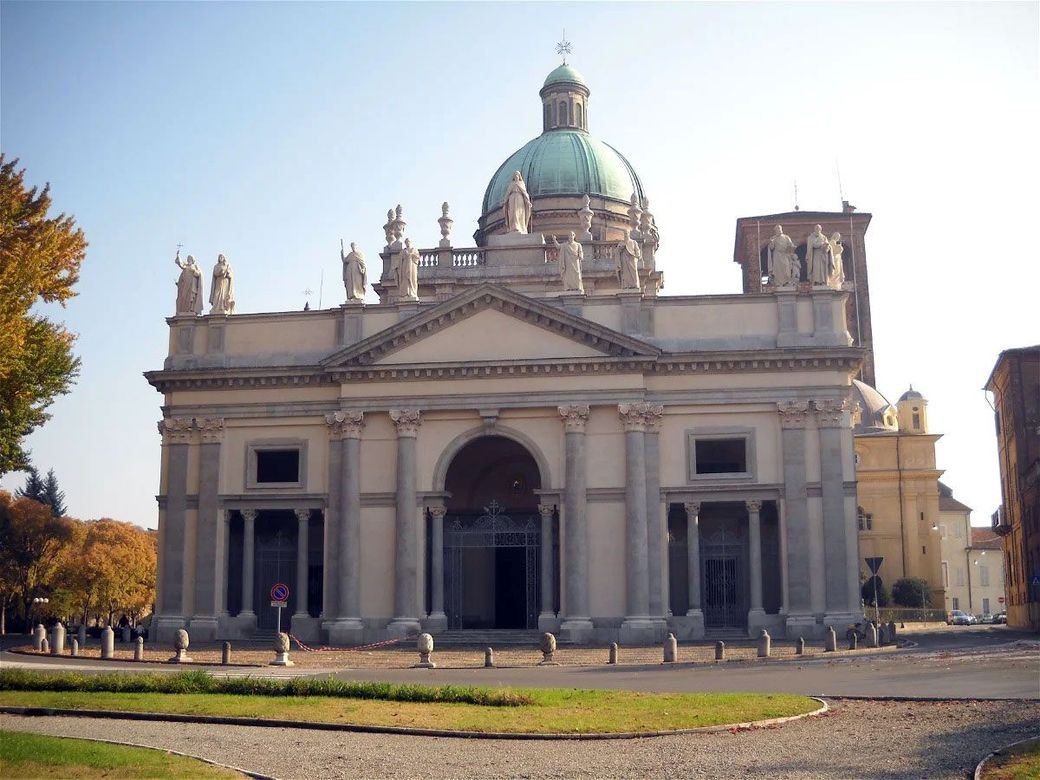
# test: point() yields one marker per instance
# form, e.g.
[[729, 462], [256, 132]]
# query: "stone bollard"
[[612, 653], [670, 649], [58, 639], [281, 651], [765, 644], [225, 654], [799, 648], [872, 635], [39, 633], [831, 640], [108, 642], [892, 631], [126, 634], [45, 646], [425, 647], [74, 648], [720, 651], [852, 640], [180, 644], [81, 634], [489, 658], [139, 649], [548, 648]]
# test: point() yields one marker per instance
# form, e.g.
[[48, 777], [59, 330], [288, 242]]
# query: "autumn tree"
[[40, 258]]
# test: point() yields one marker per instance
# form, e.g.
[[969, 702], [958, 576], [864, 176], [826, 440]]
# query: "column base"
[[802, 625], [756, 621], [403, 627], [548, 622], [203, 628], [435, 622], [637, 630], [166, 627], [841, 620], [576, 630], [345, 632], [688, 626], [306, 627]]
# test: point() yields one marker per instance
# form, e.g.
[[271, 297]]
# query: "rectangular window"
[[721, 456], [278, 466], [960, 577], [945, 574], [956, 603], [985, 606], [942, 530], [720, 453], [917, 420], [984, 576]]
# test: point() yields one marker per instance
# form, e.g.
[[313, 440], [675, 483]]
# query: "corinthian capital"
[[212, 429], [653, 414], [574, 417], [830, 413], [632, 416], [407, 421], [346, 424], [793, 414], [176, 430]]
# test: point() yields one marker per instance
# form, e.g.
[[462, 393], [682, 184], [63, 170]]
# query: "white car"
[[959, 618]]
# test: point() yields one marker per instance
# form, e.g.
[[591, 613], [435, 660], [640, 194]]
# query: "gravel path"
[[856, 740]]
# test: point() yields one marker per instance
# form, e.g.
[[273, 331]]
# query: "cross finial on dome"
[[563, 48]]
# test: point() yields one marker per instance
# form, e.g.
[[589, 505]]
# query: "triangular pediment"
[[490, 323]]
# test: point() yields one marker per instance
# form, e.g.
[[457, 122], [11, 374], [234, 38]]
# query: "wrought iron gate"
[[491, 530], [275, 562], [724, 569]]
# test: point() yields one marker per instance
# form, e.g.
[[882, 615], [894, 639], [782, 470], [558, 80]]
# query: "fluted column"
[[637, 625], [755, 612], [693, 559], [303, 519], [547, 614], [406, 563], [345, 428], [248, 542], [577, 626], [438, 620]]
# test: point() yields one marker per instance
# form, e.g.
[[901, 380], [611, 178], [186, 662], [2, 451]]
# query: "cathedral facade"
[[520, 434]]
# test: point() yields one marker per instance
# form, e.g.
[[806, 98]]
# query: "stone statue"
[[836, 278], [406, 273], [817, 257], [222, 288], [388, 228], [571, 255], [517, 208], [189, 286], [445, 221], [281, 643], [355, 277], [585, 214], [628, 263], [782, 261]]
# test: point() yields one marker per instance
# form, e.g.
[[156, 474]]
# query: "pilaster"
[[794, 419], [577, 625], [345, 428], [209, 555], [656, 520], [637, 627], [406, 563], [176, 434]]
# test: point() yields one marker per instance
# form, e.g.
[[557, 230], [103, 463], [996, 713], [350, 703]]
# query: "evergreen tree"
[[53, 496], [35, 488]]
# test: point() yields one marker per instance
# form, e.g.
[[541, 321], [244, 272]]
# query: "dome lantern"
[[565, 96]]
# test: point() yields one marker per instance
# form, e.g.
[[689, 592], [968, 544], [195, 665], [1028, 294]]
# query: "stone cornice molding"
[[632, 416], [407, 421], [574, 417], [176, 430], [830, 413], [345, 424], [211, 428], [793, 414]]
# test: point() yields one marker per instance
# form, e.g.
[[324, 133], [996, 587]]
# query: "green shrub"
[[912, 592]]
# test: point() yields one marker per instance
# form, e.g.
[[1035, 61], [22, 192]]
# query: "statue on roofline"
[[189, 286], [355, 274], [517, 206], [782, 264], [222, 288]]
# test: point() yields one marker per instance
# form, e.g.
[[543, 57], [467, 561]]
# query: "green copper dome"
[[565, 74], [565, 162]]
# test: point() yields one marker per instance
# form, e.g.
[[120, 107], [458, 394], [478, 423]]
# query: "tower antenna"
[[796, 195], [563, 48], [841, 191]]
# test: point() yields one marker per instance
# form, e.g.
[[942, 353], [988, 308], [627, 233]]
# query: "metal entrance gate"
[[723, 567], [490, 531], [275, 562]]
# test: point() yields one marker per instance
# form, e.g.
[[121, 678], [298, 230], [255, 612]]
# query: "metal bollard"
[[139, 649], [831, 640], [225, 654], [764, 644], [872, 635], [720, 651], [670, 649], [489, 658], [612, 653], [799, 648]]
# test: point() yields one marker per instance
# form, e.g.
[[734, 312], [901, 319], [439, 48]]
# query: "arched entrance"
[[492, 536]]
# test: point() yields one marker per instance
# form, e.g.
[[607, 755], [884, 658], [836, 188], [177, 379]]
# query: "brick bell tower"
[[750, 250]]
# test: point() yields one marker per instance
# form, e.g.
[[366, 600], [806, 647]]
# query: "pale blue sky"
[[270, 131]]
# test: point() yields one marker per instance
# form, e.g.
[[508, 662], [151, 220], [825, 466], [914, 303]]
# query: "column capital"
[[211, 428], [407, 421], [574, 417], [176, 430], [249, 515], [793, 414], [345, 424], [546, 510], [438, 511], [302, 515], [653, 414], [632, 416], [692, 508], [831, 412], [753, 505]]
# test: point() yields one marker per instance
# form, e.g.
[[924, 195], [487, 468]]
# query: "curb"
[[78, 658], [981, 767], [220, 720], [922, 699]]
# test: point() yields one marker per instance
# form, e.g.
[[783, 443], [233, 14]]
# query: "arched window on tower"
[[578, 120], [563, 113], [547, 121], [555, 120]]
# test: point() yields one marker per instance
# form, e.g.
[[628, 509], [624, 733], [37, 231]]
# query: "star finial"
[[563, 48]]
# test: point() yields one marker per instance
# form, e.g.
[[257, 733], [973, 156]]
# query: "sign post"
[[279, 599], [874, 564]]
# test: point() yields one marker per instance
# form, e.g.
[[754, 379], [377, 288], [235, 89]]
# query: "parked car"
[[986, 617], [959, 618], [1001, 618]]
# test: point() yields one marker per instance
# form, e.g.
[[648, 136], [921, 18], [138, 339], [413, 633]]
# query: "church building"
[[522, 434]]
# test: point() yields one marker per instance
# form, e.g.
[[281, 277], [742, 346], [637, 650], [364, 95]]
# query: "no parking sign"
[[279, 594]]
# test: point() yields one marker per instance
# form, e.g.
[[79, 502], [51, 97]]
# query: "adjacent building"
[[972, 560], [1015, 385]]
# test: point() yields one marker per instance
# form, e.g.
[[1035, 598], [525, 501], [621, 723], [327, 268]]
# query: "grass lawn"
[[34, 755], [549, 711], [1020, 764]]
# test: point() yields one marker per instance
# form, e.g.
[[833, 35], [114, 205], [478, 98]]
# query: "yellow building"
[[898, 489]]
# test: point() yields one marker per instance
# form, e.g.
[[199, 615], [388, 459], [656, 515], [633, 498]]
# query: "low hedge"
[[202, 682]]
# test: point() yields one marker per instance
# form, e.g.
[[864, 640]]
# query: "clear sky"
[[270, 131]]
